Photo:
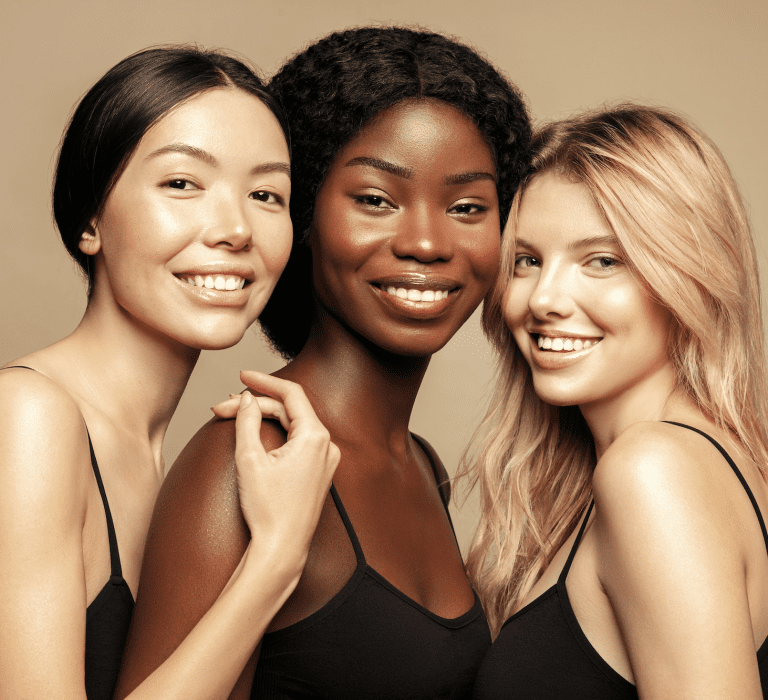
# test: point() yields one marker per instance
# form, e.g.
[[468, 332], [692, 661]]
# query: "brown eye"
[[266, 197]]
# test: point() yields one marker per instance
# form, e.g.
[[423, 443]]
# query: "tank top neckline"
[[362, 569], [561, 589], [116, 569]]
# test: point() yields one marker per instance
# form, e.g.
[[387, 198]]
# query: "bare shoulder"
[[662, 488], [205, 476], [42, 433], [652, 458]]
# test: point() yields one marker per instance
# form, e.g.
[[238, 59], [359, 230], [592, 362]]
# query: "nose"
[[551, 294], [231, 227], [424, 235]]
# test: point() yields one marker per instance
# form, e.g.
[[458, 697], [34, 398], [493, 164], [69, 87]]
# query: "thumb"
[[248, 430]]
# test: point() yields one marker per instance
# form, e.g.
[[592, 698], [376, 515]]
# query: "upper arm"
[[44, 479], [672, 566], [196, 540]]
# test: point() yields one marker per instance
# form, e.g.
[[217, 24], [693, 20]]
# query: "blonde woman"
[[622, 551]]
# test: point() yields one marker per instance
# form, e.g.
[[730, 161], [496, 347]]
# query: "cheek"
[[483, 250], [275, 248], [515, 303]]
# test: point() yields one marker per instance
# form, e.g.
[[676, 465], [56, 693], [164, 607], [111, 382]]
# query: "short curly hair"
[[334, 87]]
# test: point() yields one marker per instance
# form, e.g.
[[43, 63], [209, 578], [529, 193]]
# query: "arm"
[[45, 474], [207, 593], [672, 563]]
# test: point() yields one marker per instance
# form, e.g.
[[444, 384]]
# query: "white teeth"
[[416, 294], [564, 344], [221, 282]]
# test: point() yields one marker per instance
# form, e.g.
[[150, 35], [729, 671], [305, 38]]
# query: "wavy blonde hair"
[[667, 193]]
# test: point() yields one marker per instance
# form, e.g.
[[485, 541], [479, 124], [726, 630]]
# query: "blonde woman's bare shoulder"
[[651, 456]]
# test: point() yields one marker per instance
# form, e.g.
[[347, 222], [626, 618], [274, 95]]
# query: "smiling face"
[[586, 327], [196, 231], [405, 238]]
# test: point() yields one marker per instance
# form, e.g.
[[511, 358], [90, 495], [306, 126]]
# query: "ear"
[[90, 239]]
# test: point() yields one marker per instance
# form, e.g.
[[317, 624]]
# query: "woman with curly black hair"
[[408, 147]]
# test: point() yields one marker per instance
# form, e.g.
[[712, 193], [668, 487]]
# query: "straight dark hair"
[[113, 116]]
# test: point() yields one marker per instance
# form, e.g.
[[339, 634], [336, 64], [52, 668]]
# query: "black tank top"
[[542, 652], [108, 616], [372, 641]]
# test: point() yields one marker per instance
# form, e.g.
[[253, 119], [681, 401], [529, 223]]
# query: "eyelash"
[[171, 183], [366, 201], [277, 199], [520, 258], [614, 262]]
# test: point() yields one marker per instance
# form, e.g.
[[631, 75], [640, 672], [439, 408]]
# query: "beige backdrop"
[[708, 59]]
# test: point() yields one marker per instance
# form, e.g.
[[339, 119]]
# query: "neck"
[[359, 391], [127, 372], [646, 401]]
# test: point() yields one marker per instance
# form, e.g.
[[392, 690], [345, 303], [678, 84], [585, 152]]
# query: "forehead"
[[557, 208], [422, 130], [219, 117]]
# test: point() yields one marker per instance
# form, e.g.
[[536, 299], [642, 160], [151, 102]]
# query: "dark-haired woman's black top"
[[372, 642], [542, 653], [108, 617]]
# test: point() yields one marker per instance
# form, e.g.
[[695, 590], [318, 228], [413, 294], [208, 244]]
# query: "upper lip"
[[415, 280], [563, 334], [218, 268]]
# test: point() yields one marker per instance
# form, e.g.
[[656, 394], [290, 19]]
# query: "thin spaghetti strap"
[[114, 554], [738, 473], [572, 553], [441, 485]]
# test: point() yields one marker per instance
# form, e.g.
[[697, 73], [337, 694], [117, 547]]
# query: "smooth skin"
[[411, 197], [669, 581], [206, 191]]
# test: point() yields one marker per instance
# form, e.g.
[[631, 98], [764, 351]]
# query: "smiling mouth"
[[564, 344], [411, 294], [219, 282]]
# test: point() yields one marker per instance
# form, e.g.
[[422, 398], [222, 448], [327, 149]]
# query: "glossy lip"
[[421, 310], [547, 360], [218, 268], [216, 297], [416, 280]]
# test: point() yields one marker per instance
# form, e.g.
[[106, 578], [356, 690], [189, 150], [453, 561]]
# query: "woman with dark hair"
[[408, 147], [171, 192]]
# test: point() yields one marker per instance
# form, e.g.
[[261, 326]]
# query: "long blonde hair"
[[667, 193]]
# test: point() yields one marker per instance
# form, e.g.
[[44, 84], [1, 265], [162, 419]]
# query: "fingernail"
[[245, 399]]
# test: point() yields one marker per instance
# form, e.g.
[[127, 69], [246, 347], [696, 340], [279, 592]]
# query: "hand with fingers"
[[281, 491]]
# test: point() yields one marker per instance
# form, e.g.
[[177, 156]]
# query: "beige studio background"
[[708, 59]]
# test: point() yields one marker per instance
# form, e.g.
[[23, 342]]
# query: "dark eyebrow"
[[464, 178], [386, 166], [186, 149], [200, 154], [276, 167]]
